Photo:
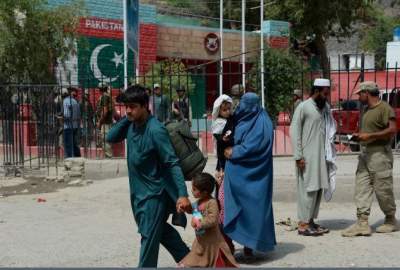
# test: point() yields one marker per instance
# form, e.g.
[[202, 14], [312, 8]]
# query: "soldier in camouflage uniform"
[[236, 93], [375, 167], [104, 118]]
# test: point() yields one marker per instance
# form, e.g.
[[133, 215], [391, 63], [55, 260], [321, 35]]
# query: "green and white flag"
[[102, 60]]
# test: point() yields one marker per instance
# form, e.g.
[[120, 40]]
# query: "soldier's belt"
[[375, 148]]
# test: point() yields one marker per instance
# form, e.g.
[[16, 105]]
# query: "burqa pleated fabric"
[[249, 218]]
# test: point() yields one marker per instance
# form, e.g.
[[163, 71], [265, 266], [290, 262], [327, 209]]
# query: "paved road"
[[92, 226]]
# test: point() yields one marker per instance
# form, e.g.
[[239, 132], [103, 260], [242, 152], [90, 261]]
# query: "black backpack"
[[191, 159]]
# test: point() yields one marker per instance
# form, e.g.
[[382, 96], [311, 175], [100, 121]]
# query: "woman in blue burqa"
[[249, 218]]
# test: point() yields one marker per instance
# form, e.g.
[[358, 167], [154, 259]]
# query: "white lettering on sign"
[[103, 25]]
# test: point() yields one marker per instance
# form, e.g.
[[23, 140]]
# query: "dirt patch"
[[35, 186]]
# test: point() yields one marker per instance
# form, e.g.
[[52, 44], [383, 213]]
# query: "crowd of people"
[[240, 211], [84, 123]]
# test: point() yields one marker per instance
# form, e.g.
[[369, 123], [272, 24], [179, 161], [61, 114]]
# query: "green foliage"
[[169, 74], [375, 37], [320, 19], [232, 11], [33, 38], [284, 72], [326, 18], [309, 18], [181, 3]]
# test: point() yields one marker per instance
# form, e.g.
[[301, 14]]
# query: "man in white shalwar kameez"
[[311, 133]]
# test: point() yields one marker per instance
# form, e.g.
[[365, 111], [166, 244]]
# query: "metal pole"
[[125, 44], [125, 58], [137, 68], [262, 52], [243, 44], [221, 33], [138, 48]]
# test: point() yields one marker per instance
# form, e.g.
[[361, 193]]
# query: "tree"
[[169, 74], [377, 34], [232, 11], [33, 38], [320, 19], [317, 19], [284, 72]]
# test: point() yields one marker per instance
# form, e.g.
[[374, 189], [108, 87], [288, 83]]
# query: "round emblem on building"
[[211, 43]]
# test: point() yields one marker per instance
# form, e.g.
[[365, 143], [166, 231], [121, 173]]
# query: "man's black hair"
[[181, 89], [103, 89], [134, 94], [71, 89], [204, 182]]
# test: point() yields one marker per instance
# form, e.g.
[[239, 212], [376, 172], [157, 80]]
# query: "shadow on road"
[[281, 250], [378, 223], [336, 224]]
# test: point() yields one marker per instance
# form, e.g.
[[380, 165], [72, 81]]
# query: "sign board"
[[98, 27], [132, 8], [276, 28], [211, 43]]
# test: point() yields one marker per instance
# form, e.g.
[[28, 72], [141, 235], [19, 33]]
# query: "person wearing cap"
[[161, 105], [297, 98], [87, 118], [181, 109], [236, 93], [104, 118], [312, 132], [148, 92], [156, 181], [375, 163], [72, 120]]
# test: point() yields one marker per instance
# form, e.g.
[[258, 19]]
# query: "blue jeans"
[[71, 143]]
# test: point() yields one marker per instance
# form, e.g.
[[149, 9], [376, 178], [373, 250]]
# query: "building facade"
[[100, 50]]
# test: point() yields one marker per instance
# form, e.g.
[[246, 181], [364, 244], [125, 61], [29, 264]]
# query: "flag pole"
[[221, 33], [125, 44], [125, 22], [243, 44], [262, 52]]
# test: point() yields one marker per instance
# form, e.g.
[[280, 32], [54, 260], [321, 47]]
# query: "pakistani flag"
[[102, 60]]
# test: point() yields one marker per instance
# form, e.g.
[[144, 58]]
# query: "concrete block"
[[74, 174], [75, 182]]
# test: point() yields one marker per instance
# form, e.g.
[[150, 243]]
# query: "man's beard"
[[320, 102]]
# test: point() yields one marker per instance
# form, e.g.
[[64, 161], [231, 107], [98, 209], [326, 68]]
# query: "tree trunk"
[[323, 55]]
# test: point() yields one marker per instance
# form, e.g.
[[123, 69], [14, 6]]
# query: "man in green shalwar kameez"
[[156, 181]]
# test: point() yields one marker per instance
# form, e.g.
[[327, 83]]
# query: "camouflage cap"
[[237, 90], [104, 86], [368, 86]]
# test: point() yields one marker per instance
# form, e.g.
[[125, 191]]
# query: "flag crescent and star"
[[102, 60], [95, 66]]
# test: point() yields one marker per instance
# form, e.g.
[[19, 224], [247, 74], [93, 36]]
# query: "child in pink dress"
[[209, 248]]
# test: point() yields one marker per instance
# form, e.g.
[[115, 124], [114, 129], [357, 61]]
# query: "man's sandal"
[[310, 232], [320, 228]]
